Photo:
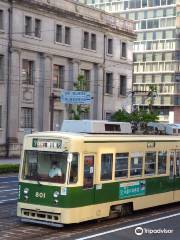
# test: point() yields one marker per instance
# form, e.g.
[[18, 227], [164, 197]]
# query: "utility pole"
[[52, 99]]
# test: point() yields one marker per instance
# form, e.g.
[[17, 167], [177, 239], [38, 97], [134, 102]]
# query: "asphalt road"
[[8, 188], [164, 227], [162, 223]]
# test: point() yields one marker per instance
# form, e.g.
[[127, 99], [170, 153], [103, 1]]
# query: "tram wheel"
[[121, 210]]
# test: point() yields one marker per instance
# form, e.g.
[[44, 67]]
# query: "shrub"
[[9, 168]]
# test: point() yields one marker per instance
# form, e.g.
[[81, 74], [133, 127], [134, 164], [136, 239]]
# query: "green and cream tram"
[[96, 175]]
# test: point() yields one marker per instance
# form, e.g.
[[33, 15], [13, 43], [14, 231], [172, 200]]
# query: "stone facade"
[[44, 46]]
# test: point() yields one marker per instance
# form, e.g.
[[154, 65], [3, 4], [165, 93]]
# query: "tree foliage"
[[151, 96], [77, 110], [138, 116]]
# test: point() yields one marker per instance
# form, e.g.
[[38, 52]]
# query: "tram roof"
[[105, 137]]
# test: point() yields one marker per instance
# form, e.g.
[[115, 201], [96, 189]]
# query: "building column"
[[39, 92], [14, 97], [76, 69]]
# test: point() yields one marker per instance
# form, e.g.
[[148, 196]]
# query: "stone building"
[[44, 46]]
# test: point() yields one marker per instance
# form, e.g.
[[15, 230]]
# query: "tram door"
[[175, 173], [88, 177]]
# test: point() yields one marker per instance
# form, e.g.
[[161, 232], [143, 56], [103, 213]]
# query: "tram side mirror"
[[70, 157]]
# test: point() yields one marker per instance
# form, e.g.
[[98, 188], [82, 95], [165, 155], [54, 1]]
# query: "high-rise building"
[[156, 51]]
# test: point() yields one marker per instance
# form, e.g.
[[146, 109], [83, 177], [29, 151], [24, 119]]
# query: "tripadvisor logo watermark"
[[140, 231]]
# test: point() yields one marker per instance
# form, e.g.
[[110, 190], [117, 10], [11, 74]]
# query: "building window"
[[67, 39], [110, 46], [1, 19], [0, 116], [144, 3], [86, 75], [63, 34], [37, 32], [169, 2], [27, 118], [121, 165], [153, 23], [109, 83], [134, 4], [124, 50], [59, 33], [93, 41], [32, 27], [143, 24], [58, 76], [27, 71], [123, 85], [89, 41], [177, 77], [150, 163], [177, 98], [28, 26], [106, 166], [108, 116], [58, 119], [86, 40]]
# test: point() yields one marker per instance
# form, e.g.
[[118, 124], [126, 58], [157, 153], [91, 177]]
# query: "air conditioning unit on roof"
[[96, 126]]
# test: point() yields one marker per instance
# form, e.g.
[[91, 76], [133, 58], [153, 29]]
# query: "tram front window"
[[45, 166]]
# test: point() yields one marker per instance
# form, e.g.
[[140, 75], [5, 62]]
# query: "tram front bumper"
[[40, 214], [52, 224]]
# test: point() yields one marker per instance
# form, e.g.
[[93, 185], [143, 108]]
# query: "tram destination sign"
[[47, 143], [76, 97], [132, 189]]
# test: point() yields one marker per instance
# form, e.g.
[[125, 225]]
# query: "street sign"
[[75, 97]]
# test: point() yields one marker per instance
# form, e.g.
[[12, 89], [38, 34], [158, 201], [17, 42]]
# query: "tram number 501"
[[40, 195]]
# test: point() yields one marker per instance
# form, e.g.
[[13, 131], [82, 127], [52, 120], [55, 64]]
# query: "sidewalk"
[[9, 161]]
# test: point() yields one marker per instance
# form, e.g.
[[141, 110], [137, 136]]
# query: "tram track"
[[11, 227]]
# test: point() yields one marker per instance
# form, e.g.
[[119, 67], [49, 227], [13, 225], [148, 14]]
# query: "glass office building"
[[156, 51]]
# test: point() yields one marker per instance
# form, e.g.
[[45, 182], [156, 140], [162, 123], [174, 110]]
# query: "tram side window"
[[162, 159], [150, 163], [177, 164], [136, 166], [74, 169], [121, 165], [88, 171], [106, 166], [172, 157]]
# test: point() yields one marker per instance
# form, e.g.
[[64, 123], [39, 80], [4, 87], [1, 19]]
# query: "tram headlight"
[[26, 197], [26, 191], [56, 194], [56, 201]]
